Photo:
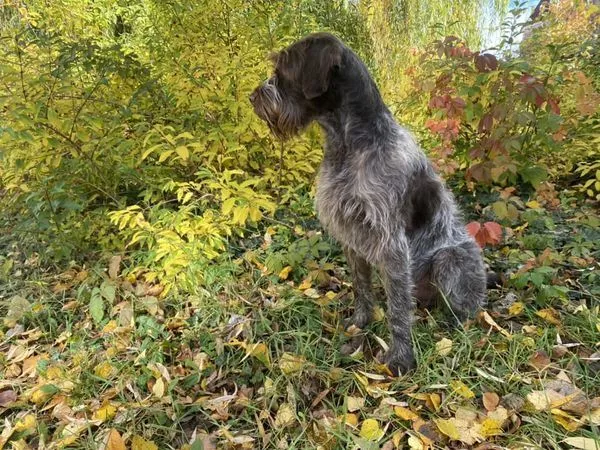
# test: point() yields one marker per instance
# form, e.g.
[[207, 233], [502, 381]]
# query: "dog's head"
[[302, 85]]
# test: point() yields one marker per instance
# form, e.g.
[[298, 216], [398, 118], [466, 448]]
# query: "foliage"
[[163, 279]]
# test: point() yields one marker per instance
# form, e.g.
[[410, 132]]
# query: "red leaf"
[[489, 233], [473, 229], [486, 123], [494, 232]]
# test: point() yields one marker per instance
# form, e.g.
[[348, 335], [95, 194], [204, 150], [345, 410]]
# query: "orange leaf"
[[115, 441], [490, 400]]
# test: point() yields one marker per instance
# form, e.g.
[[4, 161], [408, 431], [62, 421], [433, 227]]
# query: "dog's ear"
[[321, 59]]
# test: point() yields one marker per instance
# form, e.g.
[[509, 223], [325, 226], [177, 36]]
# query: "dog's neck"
[[361, 119]]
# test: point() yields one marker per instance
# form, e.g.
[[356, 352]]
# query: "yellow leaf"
[[104, 370], [491, 427], [39, 396], [183, 152], [433, 400], [549, 315], [533, 204], [355, 403], [110, 326], [115, 441], [448, 427], [290, 364], [461, 389], [105, 412], [443, 347], [593, 417], [516, 308], [415, 443], [70, 433], [159, 388], [26, 423], [492, 323], [370, 430], [405, 413], [349, 419], [139, 443], [285, 272], [583, 443], [306, 284], [286, 416], [260, 351], [565, 420]]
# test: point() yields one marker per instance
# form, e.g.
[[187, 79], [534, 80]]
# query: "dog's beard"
[[283, 118]]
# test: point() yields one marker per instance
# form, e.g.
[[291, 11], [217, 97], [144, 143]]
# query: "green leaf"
[[228, 205], [534, 175], [108, 291], [97, 306], [183, 152], [53, 119]]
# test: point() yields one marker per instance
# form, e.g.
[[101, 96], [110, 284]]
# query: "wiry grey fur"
[[377, 193]]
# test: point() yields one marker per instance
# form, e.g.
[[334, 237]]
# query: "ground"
[[91, 356]]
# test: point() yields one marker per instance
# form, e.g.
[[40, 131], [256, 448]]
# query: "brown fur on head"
[[300, 87]]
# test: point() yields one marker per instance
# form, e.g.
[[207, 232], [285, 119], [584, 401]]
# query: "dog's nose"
[[252, 97]]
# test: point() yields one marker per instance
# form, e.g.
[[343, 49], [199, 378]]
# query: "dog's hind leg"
[[459, 274], [363, 295]]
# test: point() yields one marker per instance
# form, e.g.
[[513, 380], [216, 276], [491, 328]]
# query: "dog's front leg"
[[361, 283], [395, 270]]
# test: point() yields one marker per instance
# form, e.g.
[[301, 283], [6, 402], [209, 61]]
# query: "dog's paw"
[[399, 361], [359, 320]]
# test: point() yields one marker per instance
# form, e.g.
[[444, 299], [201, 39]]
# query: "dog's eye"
[[272, 81]]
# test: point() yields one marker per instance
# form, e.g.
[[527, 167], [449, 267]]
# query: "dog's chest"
[[348, 203]]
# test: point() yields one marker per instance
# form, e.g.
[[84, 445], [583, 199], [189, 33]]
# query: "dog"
[[377, 193]]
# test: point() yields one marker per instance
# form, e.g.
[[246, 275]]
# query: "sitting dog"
[[377, 193]]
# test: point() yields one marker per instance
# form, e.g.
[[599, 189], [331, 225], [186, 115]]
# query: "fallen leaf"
[[260, 351], [461, 389], [415, 443], [115, 441], [544, 400], [516, 308], [490, 400], [443, 346], [7, 397], [139, 443], [550, 315], [26, 423], [289, 363], [583, 443], [540, 360], [370, 430], [355, 403], [105, 412], [492, 323], [349, 419], [113, 266], [159, 388], [306, 284], [448, 427], [285, 272], [405, 413], [565, 420], [70, 433], [286, 416], [104, 370]]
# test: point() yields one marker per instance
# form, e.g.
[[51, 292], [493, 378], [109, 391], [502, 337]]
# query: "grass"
[[256, 363]]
